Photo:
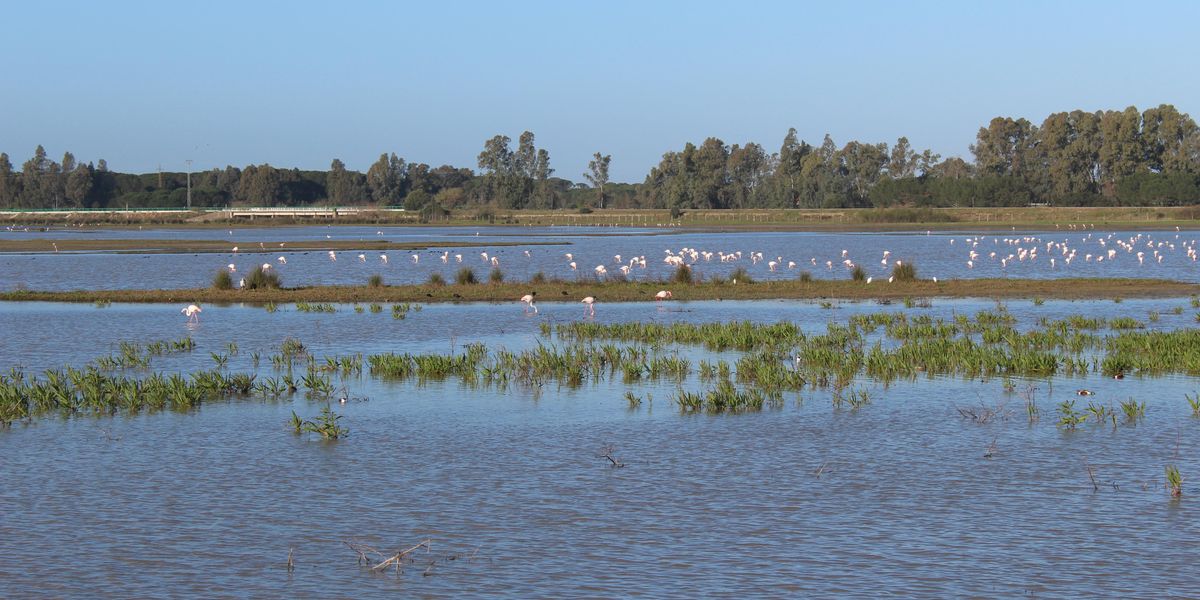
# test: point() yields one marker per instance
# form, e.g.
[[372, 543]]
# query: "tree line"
[[1126, 157]]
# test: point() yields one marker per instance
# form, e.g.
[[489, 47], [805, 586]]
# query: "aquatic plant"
[[375, 308], [436, 279], [325, 424], [375, 281], [102, 303], [1133, 409], [1174, 481], [740, 275], [805, 277], [1069, 418], [322, 307], [858, 273], [270, 307], [682, 275], [1194, 403], [400, 311], [538, 278]]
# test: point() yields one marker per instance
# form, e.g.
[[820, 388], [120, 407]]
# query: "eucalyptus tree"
[[597, 174]]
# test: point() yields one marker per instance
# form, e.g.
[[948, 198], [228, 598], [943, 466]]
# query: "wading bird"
[[662, 295], [528, 300], [193, 313], [589, 306]]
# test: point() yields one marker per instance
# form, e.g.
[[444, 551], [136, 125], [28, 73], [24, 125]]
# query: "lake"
[[903, 496]]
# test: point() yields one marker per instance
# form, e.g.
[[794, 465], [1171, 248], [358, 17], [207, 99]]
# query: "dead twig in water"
[[607, 452], [820, 469], [991, 449], [291, 564], [1091, 471], [397, 559]]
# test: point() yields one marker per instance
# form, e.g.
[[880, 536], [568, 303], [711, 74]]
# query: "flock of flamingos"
[[976, 250]]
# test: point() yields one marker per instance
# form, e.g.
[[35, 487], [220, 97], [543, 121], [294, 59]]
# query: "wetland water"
[[895, 497], [1034, 255]]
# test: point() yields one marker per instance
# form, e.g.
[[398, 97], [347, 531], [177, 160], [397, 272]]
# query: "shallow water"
[[893, 498], [942, 255]]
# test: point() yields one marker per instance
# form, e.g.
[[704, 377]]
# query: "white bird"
[[266, 266], [384, 258], [332, 255], [589, 305], [662, 295], [528, 300], [232, 267], [362, 258], [193, 313], [282, 260]]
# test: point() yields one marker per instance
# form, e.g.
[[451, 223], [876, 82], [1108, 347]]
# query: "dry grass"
[[551, 291]]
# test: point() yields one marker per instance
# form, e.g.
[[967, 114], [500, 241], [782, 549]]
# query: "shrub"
[[262, 279], [683, 274], [496, 276], [222, 280], [858, 274], [739, 275], [904, 271], [805, 277], [437, 279], [538, 277], [465, 276], [375, 281]]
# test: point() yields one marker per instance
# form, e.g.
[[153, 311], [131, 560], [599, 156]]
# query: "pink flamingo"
[[589, 307], [662, 295], [528, 300], [193, 313]]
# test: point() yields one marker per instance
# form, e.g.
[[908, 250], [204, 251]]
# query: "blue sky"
[[297, 84]]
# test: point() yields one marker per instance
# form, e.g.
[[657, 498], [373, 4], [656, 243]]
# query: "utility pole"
[[189, 183]]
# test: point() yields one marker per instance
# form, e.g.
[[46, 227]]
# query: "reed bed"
[[772, 361]]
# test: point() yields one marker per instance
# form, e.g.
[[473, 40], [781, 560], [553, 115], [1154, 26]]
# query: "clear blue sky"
[[297, 83]]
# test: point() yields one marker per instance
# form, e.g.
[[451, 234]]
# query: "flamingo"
[[332, 256], [193, 313], [528, 300], [601, 271], [282, 260], [235, 249], [362, 258], [232, 267], [589, 306], [384, 258], [458, 258], [445, 257], [495, 261], [662, 295], [266, 267]]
